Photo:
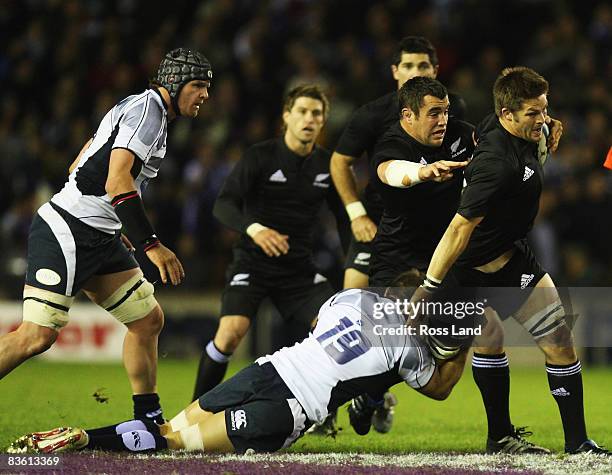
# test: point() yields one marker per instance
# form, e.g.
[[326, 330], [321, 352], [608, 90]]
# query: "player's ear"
[[407, 114], [394, 72], [285, 116], [507, 114]]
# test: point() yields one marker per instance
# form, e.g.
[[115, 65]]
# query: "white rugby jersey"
[[138, 123], [345, 356]]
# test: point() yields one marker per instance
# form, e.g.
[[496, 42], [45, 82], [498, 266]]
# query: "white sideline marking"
[[550, 464]]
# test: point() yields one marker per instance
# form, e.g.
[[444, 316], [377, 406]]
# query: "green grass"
[[41, 395]]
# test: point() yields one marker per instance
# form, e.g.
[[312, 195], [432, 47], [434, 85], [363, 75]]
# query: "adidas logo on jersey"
[[362, 258], [238, 419], [527, 174], [319, 180], [278, 176], [240, 279], [526, 279], [560, 392], [423, 162], [454, 146]]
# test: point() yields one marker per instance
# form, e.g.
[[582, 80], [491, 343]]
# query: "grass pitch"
[[41, 395]]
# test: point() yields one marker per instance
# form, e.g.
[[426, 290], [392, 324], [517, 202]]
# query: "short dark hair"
[[415, 44], [516, 85], [413, 91], [306, 90]]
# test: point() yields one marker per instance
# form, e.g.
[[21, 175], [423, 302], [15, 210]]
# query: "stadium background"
[[63, 64]]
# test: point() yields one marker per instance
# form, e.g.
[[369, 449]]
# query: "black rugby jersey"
[[367, 126], [279, 189], [415, 218], [504, 182]]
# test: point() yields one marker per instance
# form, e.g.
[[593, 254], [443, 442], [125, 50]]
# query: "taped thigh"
[[546, 320], [132, 301], [46, 308]]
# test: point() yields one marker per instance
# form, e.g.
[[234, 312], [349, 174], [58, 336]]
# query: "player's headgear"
[[180, 66]]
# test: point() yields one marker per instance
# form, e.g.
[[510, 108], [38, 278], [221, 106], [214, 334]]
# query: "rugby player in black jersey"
[[272, 197], [414, 56], [484, 247]]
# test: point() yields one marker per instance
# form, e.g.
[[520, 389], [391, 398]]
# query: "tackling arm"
[[444, 378]]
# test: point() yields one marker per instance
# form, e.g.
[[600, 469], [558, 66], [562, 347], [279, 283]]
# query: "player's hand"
[[556, 131], [439, 171], [170, 268], [127, 243], [363, 228], [272, 242]]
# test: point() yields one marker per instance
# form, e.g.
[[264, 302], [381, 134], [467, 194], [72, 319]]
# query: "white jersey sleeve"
[[140, 127]]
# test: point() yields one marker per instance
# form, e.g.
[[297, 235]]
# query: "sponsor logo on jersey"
[[527, 174], [319, 180], [238, 419], [318, 278], [362, 258], [422, 161], [136, 436], [526, 279], [48, 277], [278, 176], [560, 392], [454, 146], [240, 279]]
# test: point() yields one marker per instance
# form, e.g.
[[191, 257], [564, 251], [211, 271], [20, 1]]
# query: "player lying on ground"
[[269, 405]]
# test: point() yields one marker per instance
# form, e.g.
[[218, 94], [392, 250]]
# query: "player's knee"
[[150, 325], [35, 339], [230, 333], [558, 346], [492, 338], [134, 301]]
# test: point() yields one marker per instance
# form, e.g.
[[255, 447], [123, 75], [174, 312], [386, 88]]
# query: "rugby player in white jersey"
[[358, 345], [75, 242]]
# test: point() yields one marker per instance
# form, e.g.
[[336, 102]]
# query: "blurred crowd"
[[64, 64]]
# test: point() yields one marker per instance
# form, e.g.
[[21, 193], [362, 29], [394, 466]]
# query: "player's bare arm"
[[273, 243], [121, 188], [452, 244], [404, 174], [446, 375], [364, 229], [74, 164]]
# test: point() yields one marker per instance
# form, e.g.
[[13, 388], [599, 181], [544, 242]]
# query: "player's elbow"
[[381, 170]]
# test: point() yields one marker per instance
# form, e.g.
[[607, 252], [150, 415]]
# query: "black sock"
[[565, 382], [212, 368], [132, 441], [492, 376], [127, 426], [147, 407]]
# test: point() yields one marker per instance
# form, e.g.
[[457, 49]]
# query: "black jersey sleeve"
[[488, 178], [390, 148], [229, 206], [358, 135]]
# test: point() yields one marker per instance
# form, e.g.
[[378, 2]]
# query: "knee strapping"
[[546, 320], [45, 308], [192, 438], [132, 301]]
